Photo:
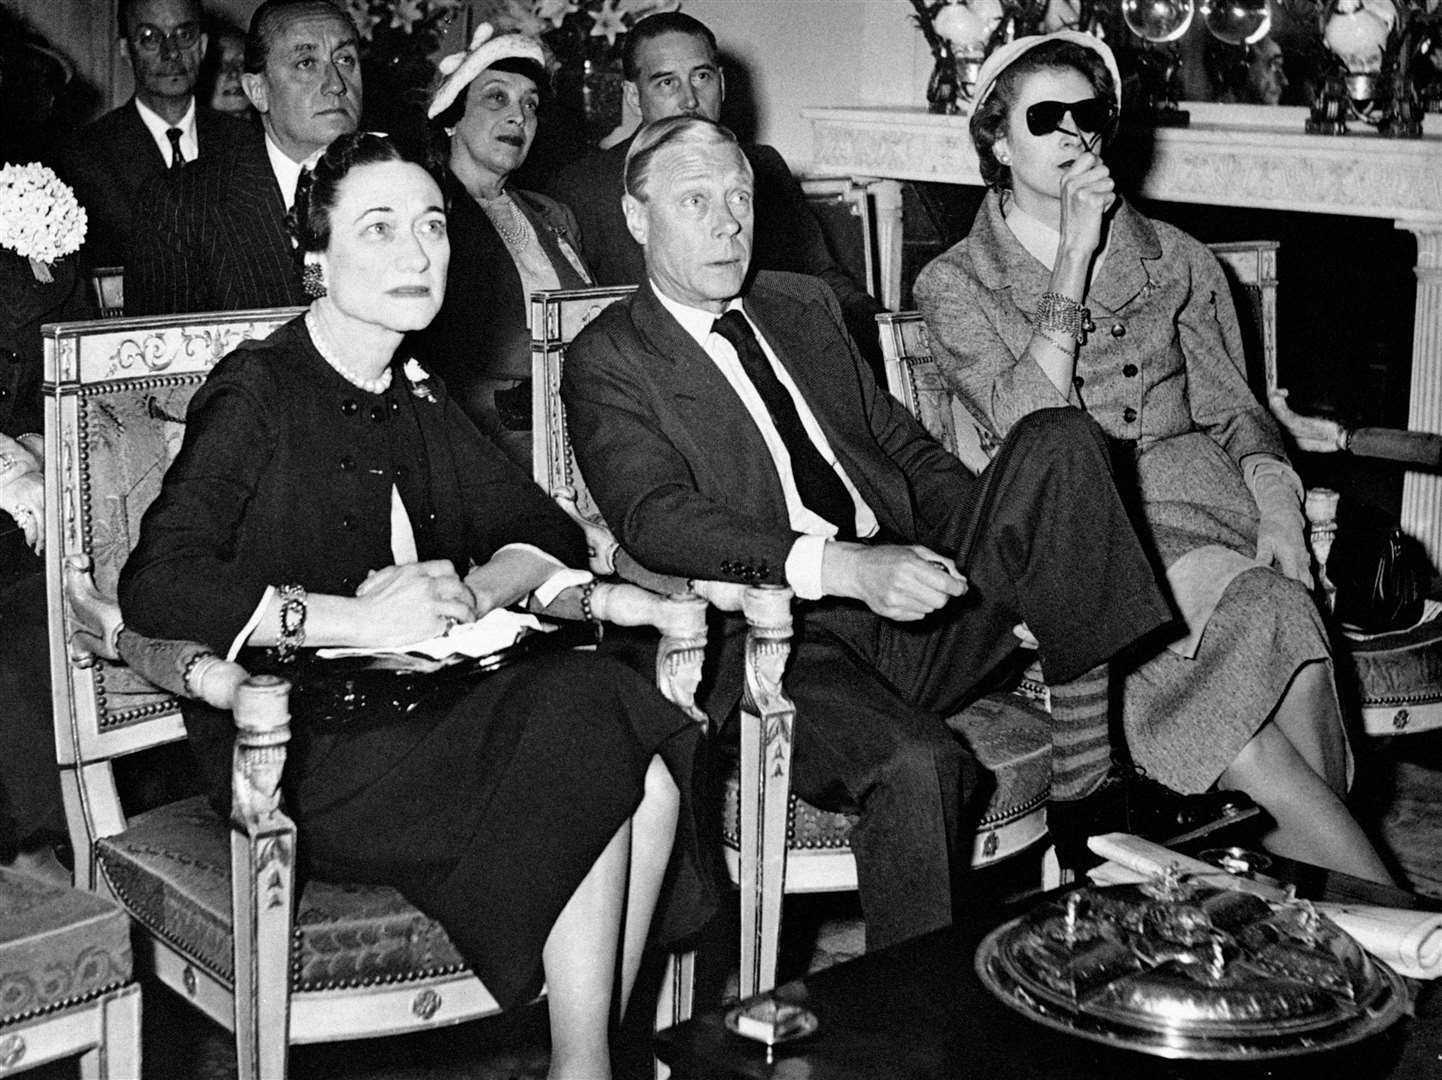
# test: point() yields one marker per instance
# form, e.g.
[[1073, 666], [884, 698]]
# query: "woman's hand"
[[1087, 192], [405, 604], [1280, 544], [509, 575], [22, 490]]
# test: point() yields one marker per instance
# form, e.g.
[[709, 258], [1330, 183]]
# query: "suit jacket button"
[[402, 471], [378, 413], [350, 406], [1118, 330], [1129, 414], [348, 522], [1129, 370], [347, 464], [4, 393], [1078, 381], [395, 405]]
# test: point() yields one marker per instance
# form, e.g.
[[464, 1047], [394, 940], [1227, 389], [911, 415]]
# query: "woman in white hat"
[[1064, 296], [505, 242]]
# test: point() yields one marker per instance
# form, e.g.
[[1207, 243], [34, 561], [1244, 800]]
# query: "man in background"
[[111, 161], [216, 238], [671, 69]]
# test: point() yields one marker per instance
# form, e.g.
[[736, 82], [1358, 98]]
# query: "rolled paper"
[[1407, 941]]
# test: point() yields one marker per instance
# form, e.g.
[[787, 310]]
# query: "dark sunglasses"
[[1093, 116]]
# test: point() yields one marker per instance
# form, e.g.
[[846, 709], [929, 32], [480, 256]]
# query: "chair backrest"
[[108, 285], [914, 376], [116, 392], [846, 212], [557, 316], [1251, 269]]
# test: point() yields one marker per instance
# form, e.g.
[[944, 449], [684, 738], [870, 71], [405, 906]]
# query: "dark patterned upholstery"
[[58, 946], [1398, 678], [1009, 735], [171, 868]]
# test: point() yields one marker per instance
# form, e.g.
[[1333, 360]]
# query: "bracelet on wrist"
[[586, 590], [292, 622], [1065, 315], [187, 677]]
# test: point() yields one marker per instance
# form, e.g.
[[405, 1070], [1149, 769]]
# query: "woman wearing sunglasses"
[[1064, 296]]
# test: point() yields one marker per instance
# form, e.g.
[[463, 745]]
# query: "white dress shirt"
[[803, 564], [158, 126], [287, 172]]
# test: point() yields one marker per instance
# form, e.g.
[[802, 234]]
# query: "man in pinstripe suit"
[[214, 237]]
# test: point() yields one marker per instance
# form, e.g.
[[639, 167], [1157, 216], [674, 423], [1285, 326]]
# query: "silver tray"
[[1183, 970]]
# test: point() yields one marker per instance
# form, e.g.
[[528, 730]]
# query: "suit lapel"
[[707, 404]]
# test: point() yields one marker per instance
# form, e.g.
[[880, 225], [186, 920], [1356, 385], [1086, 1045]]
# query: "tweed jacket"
[[215, 238], [285, 475], [1165, 358], [111, 162], [1164, 367], [787, 234], [482, 329], [680, 470]]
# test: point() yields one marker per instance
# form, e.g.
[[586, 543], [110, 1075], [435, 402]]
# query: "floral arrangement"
[[39, 217], [423, 19], [575, 30]]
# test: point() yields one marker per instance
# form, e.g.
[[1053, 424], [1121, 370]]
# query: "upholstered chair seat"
[[171, 869], [65, 979]]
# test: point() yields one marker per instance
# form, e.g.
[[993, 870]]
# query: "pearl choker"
[[379, 385]]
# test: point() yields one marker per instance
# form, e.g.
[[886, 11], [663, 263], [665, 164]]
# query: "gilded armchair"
[[774, 842], [223, 920]]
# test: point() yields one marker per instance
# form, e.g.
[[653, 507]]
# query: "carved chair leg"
[[118, 1055], [262, 883], [767, 718]]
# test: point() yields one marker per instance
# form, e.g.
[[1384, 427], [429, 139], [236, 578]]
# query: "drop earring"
[[312, 281]]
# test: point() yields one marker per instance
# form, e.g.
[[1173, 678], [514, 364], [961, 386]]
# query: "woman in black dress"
[[329, 494]]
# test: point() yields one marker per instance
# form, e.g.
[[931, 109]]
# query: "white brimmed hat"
[[461, 69], [1012, 51]]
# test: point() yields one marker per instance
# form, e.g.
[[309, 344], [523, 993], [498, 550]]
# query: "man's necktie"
[[817, 482], [177, 159], [302, 187]]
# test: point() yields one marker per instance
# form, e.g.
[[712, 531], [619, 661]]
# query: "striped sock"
[[1081, 742]]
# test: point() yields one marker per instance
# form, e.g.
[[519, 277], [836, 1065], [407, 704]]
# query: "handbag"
[[1380, 573]]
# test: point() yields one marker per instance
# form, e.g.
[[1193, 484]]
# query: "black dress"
[[486, 805]]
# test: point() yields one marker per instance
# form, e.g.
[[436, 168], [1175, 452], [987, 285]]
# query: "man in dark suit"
[[671, 69], [111, 161], [756, 447], [216, 238]]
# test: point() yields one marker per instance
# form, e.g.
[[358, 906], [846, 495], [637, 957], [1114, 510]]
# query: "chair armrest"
[[259, 704], [680, 618]]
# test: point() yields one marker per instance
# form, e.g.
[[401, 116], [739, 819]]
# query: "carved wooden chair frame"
[[776, 846], [115, 385]]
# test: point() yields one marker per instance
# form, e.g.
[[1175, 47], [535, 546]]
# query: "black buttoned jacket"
[[285, 476]]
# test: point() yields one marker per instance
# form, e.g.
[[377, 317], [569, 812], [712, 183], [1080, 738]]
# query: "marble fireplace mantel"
[[1228, 156]]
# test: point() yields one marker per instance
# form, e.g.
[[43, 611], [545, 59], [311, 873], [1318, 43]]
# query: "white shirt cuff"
[[803, 566], [250, 624]]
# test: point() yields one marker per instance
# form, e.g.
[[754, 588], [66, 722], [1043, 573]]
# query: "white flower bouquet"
[[39, 217]]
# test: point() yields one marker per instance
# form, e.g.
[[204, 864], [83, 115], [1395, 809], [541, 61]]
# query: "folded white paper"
[[1409, 942], [490, 633]]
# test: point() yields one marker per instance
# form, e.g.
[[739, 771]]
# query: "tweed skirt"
[[1187, 719]]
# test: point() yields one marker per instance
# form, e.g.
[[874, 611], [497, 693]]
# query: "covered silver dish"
[[1184, 970]]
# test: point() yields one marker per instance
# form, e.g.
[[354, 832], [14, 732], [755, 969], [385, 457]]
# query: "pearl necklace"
[[515, 230], [379, 385]]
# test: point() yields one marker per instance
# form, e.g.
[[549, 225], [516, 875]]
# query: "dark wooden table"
[[918, 1011]]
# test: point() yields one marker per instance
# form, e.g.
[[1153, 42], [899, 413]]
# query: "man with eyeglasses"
[[161, 127], [216, 238]]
